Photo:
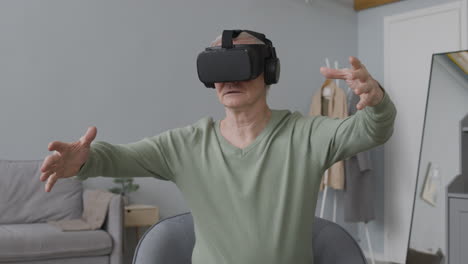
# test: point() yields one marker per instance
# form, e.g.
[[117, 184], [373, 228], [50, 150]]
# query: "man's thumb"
[[89, 136]]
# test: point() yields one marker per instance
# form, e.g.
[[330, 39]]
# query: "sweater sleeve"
[[145, 158], [342, 138]]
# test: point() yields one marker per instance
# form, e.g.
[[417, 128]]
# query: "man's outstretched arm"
[[371, 126], [145, 158], [86, 159]]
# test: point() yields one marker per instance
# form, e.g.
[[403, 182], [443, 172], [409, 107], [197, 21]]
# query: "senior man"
[[251, 179]]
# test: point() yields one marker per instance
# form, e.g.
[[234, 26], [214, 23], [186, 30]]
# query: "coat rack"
[[324, 197], [322, 207]]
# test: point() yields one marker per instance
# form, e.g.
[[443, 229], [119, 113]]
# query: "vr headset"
[[230, 63]]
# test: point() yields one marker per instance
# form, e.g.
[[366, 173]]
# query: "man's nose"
[[234, 83]]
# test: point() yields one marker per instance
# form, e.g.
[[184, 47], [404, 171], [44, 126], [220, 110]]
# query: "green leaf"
[[132, 188], [115, 190], [126, 185]]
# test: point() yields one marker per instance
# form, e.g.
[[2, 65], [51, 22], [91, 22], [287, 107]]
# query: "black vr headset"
[[230, 63]]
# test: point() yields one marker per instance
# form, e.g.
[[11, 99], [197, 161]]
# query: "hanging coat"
[[360, 183], [337, 108]]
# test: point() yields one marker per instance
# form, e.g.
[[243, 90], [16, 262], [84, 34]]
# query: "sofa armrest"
[[114, 225]]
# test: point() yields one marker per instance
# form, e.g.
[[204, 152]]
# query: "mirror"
[[439, 228]]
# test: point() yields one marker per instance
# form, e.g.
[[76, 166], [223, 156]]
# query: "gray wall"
[[128, 68], [370, 51]]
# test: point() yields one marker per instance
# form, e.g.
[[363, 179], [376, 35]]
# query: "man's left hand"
[[359, 80]]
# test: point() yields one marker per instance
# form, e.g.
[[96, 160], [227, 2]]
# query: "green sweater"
[[256, 204]]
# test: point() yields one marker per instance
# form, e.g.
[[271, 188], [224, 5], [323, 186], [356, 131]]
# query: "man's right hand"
[[67, 158]]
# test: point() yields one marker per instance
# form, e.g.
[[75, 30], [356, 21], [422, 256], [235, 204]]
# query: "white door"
[[410, 39]]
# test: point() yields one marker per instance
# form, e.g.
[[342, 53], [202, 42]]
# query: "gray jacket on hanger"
[[360, 182]]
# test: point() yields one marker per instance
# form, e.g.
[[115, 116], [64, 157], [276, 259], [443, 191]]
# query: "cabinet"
[[139, 215], [457, 222]]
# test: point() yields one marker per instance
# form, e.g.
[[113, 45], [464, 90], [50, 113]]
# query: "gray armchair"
[[25, 208], [171, 241]]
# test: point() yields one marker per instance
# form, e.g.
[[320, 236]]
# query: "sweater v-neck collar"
[[226, 145]]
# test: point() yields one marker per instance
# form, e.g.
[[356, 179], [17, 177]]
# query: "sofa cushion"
[[23, 199], [23, 242]]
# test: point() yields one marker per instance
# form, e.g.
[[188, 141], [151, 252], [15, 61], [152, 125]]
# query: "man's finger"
[[360, 74], [355, 62], [45, 175], [334, 73], [49, 162], [362, 103], [89, 136], [50, 183], [57, 146], [362, 88]]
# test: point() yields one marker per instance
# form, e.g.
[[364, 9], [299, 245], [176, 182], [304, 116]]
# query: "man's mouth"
[[231, 92]]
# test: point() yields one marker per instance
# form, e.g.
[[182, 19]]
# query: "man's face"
[[243, 93]]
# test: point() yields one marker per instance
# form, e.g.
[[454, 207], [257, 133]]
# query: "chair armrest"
[[114, 225]]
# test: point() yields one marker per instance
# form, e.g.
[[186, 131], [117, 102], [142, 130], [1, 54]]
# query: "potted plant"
[[126, 186]]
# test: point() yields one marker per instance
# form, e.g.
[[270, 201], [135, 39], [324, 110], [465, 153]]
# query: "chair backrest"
[[23, 199], [171, 241]]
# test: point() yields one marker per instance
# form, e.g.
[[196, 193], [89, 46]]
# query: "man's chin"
[[234, 104]]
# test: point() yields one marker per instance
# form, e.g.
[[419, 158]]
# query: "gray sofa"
[[25, 208]]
